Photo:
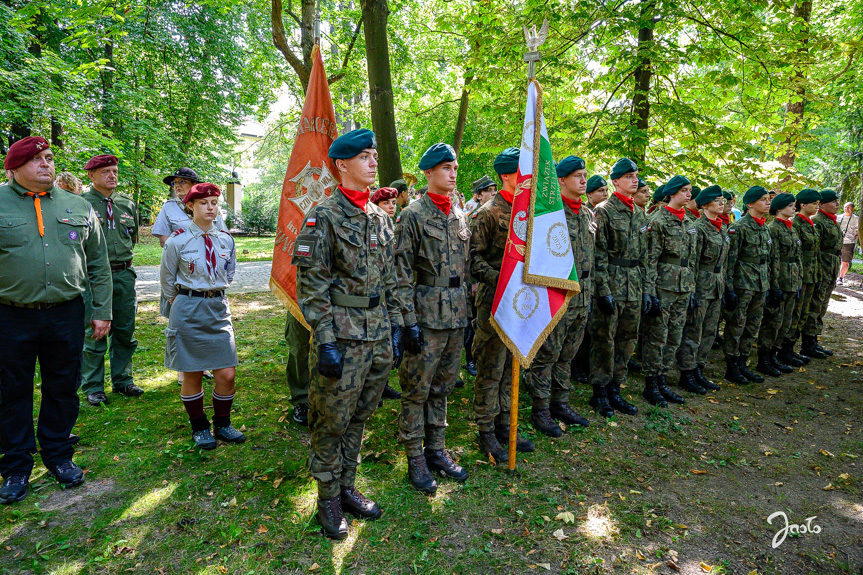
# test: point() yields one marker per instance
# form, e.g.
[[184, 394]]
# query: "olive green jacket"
[[581, 235], [748, 256], [831, 246], [670, 253], [711, 255], [810, 250], [784, 257], [489, 228], [621, 238], [122, 237]]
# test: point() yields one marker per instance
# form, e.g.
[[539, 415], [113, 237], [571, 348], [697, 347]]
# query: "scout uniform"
[[548, 378], [173, 217], [51, 252], [810, 272], [829, 256], [119, 220]]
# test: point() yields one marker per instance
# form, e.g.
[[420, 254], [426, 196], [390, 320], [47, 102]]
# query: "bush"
[[259, 215]]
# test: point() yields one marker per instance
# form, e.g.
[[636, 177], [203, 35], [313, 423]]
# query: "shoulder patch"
[[732, 231], [311, 221], [398, 219], [178, 232], [305, 247]]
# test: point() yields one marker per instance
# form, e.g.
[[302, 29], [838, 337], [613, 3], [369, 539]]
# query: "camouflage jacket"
[[831, 246], [621, 236], [346, 254], [489, 228], [581, 236], [711, 253], [670, 253], [431, 265], [748, 255], [784, 257], [810, 248]]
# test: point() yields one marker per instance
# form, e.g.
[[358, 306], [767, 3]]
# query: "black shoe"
[[786, 355], [359, 505], [440, 460], [810, 347], [633, 366], [764, 364], [688, 383], [74, 438], [542, 421], [703, 381], [617, 402], [732, 371], [229, 434], [666, 392], [746, 372], [390, 393], [651, 392], [68, 474], [599, 401], [459, 383], [420, 475], [97, 398], [130, 390], [332, 518], [14, 489], [470, 368], [489, 445], [562, 411], [300, 414], [718, 342], [522, 444], [823, 350], [204, 439], [774, 361]]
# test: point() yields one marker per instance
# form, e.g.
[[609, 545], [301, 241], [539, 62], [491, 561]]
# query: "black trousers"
[[54, 336]]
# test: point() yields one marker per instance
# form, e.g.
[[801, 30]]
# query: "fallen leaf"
[[699, 472], [566, 517], [640, 555], [612, 424], [262, 529], [491, 460], [828, 487], [844, 476], [778, 484], [278, 482], [546, 518], [223, 569], [827, 453], [497, 531], [772, 391], [559, 535], [116, 458], [634, 492], [705, 567], [546, 566], [768, 453], [673, 565], [314, 567]]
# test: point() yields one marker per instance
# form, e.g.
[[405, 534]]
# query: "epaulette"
[[178, 232]]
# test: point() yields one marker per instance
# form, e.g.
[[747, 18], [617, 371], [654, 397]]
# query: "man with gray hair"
[[848, 225]]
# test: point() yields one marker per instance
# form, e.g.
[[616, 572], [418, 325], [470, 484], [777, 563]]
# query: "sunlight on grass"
[[68, 568], [599, 523], [343, 549], [147, 502], [304, 502]]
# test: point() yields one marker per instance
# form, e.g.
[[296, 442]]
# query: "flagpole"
[[513, 413]]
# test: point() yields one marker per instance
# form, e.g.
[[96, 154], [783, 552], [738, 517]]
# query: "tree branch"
[[607, 102], [343, 70], [281, 42]]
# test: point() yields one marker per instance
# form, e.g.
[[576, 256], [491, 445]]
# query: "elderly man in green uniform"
[[431, 264], [489, 228], [119, 219], [548, 378], [808, 202], [347, 291], [51, 252], [619, 296], [747, 280], [830, 257]]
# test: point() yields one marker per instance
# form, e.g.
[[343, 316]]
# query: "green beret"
[[437, 154], [674, 184], [400, 185], [659, 194], [754, 194], [506, 162], [708, 194], [729, 197], [594, 183], [481, 184], [695, 191], [568, 165], [828, 196], [808, 196], [621, 167], [780, 201], [641, 183], [352, 143]]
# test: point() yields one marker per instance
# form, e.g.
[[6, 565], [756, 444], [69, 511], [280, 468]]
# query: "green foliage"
[[260, 212]]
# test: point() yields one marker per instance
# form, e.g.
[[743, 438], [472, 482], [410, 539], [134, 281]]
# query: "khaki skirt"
[[200, 334]]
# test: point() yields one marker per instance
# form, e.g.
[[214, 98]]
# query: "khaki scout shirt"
[[748, 256], [711, 254], [489, 228], [581, 235], [670, 253], [784, 257], [619, 268], [55, 268], [810, 250], [121, 238], [431, 263], [346, 251], [831, 246], [184, 261]]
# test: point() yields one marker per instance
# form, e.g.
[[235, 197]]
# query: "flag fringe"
[[526, 360], [286, 301]]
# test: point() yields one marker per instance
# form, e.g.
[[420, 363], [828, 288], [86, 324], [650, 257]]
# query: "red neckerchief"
[[786, 222], [805, 219], [831, 216], [444, 203], [626, 201], [507, 195], [726, 219], [759, 221], [356, 197], [717, 223], [574, 205], [679, 213], [695, 213]]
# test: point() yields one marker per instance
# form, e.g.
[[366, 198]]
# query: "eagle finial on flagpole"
[[534, 40]]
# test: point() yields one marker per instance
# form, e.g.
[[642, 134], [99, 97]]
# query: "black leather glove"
[[606, 304], [413, 337], [331, 360], [655, 306], [646, 304], [774, 298], [731, 300], [693, 302], [397, 346]]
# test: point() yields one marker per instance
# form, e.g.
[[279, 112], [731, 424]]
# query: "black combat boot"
[[632, 366], [651, 392], [599, 401], [800, 357], [810, 347], [541, 419], [617, 402], [823, 350], [440, 460], [489, 445], [420, 475], [391, 393], [688, 382], [562, 411], [774, 361], [764, 364], [359, 505], [666, 391], [332, 518], [787, 356], [522, 444], [703, 381], [732, 370], [748, 373], [718, 342]]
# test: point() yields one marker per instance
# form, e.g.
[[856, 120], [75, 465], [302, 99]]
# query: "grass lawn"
[[148, 252], [687, 489]]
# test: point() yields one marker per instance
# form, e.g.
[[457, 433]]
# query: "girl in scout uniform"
[[198, 264]]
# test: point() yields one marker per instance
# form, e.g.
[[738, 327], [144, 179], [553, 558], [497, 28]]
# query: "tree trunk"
[[795, 107], [640, 114], [462, 114], [303, 67], [108, 90], [56, 134], [375, 13]]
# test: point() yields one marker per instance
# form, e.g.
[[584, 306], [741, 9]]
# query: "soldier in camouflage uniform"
[[548, 378], [619, 298], [785, 285], [746, 283], [489, 228], [347, 291], [431, 263], [670, 282], [808, 202], [711, 251], [831, 249]]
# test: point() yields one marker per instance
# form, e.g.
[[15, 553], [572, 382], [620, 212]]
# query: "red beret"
[[202, 190], [101, 161], [23, 151], [382, 194]]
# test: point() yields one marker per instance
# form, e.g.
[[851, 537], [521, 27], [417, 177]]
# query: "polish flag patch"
[[311, 222]]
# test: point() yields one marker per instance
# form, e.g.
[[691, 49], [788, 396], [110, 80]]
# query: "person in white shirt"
[[848, 225], [172, 216]]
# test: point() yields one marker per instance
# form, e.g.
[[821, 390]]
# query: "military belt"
[[673, 260], [788, 260], [438, 281], [752, 260], [359, 301], [34, 305], [623, 263], [705, 265], [208, 293], [121, 266]]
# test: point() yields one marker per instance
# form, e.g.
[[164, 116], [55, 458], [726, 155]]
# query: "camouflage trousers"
[[776, 322], [493, 385], [662, 333], [339, 408], [427, 380], [549, 374], [820, 301], [800, 322], [613, 339], [699, 334], [742, 324], [297, 371]]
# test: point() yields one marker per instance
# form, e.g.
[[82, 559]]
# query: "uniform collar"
[[347, 206], [100, 195], [22, 191], [198, 232], [434, 209]]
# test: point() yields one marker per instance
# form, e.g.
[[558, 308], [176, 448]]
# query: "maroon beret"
[[23, 150], [202, 190], [101, 161], [382, 194]]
